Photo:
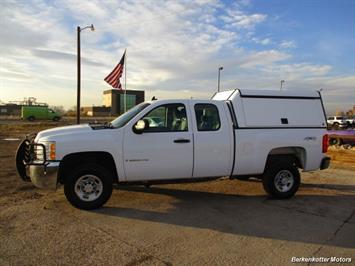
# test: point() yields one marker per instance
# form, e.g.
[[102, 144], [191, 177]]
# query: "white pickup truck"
[[238, 133]]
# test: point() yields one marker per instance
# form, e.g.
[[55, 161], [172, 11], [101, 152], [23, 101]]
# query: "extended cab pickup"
[[238, 133]]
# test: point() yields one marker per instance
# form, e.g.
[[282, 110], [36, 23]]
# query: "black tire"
[[56, 118], [31, 118], [332, 141], [336, 141], [90, 169], [275, 170]]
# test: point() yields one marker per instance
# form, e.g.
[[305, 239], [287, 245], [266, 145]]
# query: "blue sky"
[[323, 29], [174, 48]]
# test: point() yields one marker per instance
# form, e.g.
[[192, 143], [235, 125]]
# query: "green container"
[[33, 113]]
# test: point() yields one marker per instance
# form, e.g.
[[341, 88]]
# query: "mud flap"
[[22, 154]]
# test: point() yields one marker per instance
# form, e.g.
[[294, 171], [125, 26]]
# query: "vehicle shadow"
[[304, 218], [348, 188]]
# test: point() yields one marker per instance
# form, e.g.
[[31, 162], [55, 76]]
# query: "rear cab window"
[[207, 117]]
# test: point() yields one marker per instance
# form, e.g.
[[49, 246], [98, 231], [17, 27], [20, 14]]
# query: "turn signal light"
[[52, 151], [325, 143]]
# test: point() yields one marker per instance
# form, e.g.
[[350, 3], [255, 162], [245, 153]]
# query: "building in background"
[[96, 111], [10, 109], [115, 100], [13, 108]]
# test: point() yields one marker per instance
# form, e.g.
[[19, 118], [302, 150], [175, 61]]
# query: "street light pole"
[[219, 77], [282, 81], [78, 78], [79, 71]]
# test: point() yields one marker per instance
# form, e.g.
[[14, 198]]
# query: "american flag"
[[114, 77]]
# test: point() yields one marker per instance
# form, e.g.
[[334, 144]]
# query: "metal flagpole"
[[125, 81]]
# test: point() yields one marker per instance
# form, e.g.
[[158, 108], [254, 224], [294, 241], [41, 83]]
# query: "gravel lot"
[[223, 222]]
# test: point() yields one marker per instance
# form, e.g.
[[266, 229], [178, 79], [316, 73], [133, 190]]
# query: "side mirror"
[[139, 127]]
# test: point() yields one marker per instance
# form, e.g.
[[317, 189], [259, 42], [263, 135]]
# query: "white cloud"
[[287, 44], [298, 71], [265, 41], [263, 58], [173, 50], [236, 18]]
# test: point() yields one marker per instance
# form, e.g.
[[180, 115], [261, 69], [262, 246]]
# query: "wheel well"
[[297, 155], [70, 161]]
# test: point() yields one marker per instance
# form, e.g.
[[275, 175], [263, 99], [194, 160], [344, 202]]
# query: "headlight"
[[50, 150]]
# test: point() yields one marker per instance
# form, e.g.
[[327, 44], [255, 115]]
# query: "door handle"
[[182, 141]]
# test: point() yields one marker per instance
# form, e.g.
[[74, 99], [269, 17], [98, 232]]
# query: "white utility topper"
[[238, 133]]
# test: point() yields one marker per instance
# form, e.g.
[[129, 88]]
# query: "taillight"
[[325, 143]]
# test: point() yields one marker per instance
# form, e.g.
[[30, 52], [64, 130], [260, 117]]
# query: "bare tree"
[[59, 109]]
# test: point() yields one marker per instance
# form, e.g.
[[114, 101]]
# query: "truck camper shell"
[[275, 109]]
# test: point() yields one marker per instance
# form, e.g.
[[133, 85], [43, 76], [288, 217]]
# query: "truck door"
[[213, 139], [165, 149]]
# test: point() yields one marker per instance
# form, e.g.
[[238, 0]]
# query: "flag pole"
[[125, 81]]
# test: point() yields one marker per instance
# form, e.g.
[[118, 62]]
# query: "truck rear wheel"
[[88, 186], [31, 118], [56, 118], [281, 179]]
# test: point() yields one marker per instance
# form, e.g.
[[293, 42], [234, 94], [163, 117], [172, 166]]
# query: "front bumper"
[[44, 176], [325, 163]]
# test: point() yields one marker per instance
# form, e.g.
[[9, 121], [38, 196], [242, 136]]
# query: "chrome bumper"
[[44, 176], [43, 173]]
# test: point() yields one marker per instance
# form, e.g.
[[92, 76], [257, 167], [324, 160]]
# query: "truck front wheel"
[[281, 179], [88, 186]]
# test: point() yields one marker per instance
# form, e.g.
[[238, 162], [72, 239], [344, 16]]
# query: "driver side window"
[[166, 118]]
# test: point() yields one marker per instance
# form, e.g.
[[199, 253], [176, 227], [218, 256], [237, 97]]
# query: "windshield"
[[127, 116]]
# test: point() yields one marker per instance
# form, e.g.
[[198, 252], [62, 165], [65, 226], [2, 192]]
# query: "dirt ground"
[[224, 222]]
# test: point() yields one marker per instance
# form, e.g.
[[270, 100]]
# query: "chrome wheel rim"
[[88, 187], [284, 181]]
